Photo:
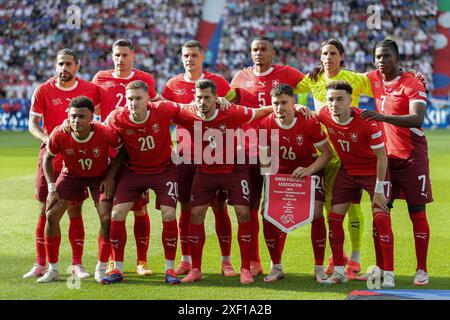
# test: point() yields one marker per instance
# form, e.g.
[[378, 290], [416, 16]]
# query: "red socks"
[[319, 240], [245, 242], [76, 238], [184, 223], [197, 242], [40, 241], [170, 239], [104, 249], [223, 230], [386, 239], [118, 239], [272, 237], [376, 243], [421, 237], [142, 235], [254, 218], [336, 237], [52, 248]]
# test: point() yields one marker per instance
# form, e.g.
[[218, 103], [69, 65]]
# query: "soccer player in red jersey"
[[297, 155], [85, 153], [400, 100], [49, 104], [215, 173], [144, 129], [112, 85], [253, 86], [181, 89], [360, 146]]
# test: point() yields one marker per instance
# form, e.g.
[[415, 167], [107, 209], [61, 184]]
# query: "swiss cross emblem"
[[299, 139], [354, 136], [275, 83], [377, 85], [96, 152], [331, 131], [155, 127], [180, 92], [110, 84], [129, 132], [250, 84], [57, 101], [223, 128]]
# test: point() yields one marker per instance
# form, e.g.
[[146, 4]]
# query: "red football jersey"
[[395, 98], [297, 141], [148, 143], [182, 90], [50, 102], [213, 133], [85, 158], [354, 141], [254, 88], [112, 88]]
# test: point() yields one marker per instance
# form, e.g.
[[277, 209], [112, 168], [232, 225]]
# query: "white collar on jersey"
[[342, 123], [392, 81], [216, 113], [67, 89], [82, 141], [140, 122], [115, 76], [262, 74], [290, 126], [185, 78]]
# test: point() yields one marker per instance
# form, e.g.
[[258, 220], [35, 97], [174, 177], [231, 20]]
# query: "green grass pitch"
[[18, 157]]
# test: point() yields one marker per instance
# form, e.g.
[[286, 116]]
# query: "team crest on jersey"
[[354, 136], [180, 92], [110, 84], [70, 152], [96, 152], [57, 101], [155, 128], [223, 128], [377, 85], [275, 82], [299, 139], [250, 84], [331, 131], [129, 132]]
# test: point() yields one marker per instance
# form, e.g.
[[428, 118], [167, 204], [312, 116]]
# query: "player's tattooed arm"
[[414, 119], [379, 199], [49, 172], [36, 130]]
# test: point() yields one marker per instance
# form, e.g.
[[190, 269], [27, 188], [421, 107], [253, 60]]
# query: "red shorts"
[[74, 188], [346, 188], [256, 184], [411, 178], [41, 191], [132, 185], [236, 184], [143, 199], [185, 178]]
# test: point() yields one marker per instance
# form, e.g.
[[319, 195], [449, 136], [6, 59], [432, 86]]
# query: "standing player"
[[401, 107], [298, 139], [144, 129], [85, 154], [216, 173], [181, 89], [49, 104], [112, 85], [253, 86], [360, 146]]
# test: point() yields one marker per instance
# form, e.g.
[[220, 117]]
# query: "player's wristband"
[[51, 187], [379, 186]]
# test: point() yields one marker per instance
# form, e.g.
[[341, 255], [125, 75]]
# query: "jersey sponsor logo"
[[129, 132], [155, 128], [57, 101], [70, 152], [354, 136], [262, 83], [123, 84], [341, 133], [96, 152], [288, 139], [141, 130], [246, 238], [299, 139], [83, 151]]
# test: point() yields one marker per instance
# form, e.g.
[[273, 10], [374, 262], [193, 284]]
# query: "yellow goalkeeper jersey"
[[359, 82]]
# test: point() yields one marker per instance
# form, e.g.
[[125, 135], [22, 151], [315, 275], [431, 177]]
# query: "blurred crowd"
[[31, 32]]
